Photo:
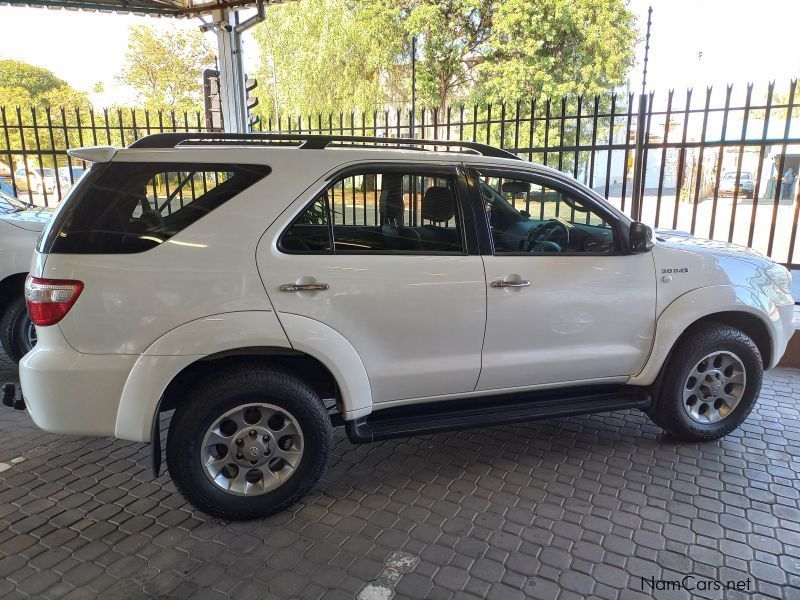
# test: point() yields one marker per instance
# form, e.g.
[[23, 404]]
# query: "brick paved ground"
[[563, 509]]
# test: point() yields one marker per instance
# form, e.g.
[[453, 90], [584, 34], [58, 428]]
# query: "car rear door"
[[562, 308], [387, 257]]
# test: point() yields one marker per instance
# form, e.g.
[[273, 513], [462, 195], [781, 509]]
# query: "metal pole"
[[274, 86], [231, 70], [231, 75], [413, 85], [638, 163], [646, 49]]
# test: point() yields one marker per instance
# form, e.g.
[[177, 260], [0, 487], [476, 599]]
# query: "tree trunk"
[[444, 92]]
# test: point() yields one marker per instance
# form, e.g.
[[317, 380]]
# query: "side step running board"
[[421, 419]]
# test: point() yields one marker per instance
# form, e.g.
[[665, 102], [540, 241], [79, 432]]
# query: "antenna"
[[647, 49]]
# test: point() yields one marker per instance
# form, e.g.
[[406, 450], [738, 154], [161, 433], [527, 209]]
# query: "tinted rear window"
[[132, 207]]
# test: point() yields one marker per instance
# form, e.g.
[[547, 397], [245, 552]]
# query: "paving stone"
[[563, 509]]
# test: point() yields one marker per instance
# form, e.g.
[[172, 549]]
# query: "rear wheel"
[[17, 332], [710, 385], [248, 442]]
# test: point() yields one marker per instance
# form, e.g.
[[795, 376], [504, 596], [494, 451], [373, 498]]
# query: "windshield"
[[9, 204]]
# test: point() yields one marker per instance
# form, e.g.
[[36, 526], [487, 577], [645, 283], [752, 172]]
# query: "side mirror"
[[641, 238]]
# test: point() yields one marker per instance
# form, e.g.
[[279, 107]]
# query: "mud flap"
[[155, 444]]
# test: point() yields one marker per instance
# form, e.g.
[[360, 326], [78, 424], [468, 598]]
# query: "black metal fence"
[[720, 164], [34, 164]]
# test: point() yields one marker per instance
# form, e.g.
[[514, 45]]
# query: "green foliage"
[[332, 56], [328, 55], [35, 80], [165, 67], [15, 96], [28, 95], [453, 37], [25, 85], [551, 48]]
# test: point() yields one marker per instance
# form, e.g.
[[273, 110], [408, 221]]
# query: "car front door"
[[394, 258], [565, 303]]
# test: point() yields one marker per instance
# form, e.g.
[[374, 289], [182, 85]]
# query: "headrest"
[[392, 206], [438, 204]]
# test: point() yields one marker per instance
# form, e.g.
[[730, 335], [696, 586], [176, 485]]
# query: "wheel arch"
[[754, 326], [306, 367], [178, 357], [9, 287], [736, 306]]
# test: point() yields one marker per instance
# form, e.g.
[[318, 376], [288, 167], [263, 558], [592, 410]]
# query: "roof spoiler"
[[93, 154]]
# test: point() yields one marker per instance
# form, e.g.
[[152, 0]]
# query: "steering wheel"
[[552, 236]]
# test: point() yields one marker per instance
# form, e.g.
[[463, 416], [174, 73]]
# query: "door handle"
[[510, 284], [303, 287]]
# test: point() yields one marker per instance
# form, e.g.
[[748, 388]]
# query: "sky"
[[694, 43]]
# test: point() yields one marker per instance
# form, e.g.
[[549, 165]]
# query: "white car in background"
[[35, 180], [270, 287], [20, 226]]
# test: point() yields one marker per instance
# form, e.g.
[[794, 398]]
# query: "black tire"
[[212, 397], [668, 410], [14, 335]]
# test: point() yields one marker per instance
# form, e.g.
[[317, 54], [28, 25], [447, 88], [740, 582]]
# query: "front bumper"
[[70, 392], [784, 330]]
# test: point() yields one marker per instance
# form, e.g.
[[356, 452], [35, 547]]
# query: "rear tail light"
[[49, 300]]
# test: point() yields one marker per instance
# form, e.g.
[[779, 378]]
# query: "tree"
[[165, 67], [336, 55], [328, 56], [26, 86], [35, 80], [552, 48], [453, 36], [28, 95]]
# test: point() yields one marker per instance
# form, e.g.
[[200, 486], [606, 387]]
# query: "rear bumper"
[[69, 392]]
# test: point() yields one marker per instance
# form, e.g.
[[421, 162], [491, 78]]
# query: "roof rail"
[[307, 141]]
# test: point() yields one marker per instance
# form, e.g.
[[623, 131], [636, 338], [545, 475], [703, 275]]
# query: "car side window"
[[128, 207], [309, 232], [526, 215], [388, 212]]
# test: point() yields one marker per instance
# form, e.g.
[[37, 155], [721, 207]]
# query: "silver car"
[[746, 187]]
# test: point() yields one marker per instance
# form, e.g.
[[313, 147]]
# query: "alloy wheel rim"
[[714, 387], [252, 449]]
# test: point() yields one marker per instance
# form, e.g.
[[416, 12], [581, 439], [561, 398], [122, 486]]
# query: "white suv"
[[269, 287]]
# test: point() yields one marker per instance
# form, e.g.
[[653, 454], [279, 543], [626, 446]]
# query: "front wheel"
[[710, 385], [248, 442], [17, 332]]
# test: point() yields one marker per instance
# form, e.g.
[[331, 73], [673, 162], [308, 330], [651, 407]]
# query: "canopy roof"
[[166, 8]]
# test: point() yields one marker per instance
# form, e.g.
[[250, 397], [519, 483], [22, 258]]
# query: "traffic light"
[[251, 102], [212, 100]]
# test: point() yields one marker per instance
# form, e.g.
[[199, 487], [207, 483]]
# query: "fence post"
[[638, 163]]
